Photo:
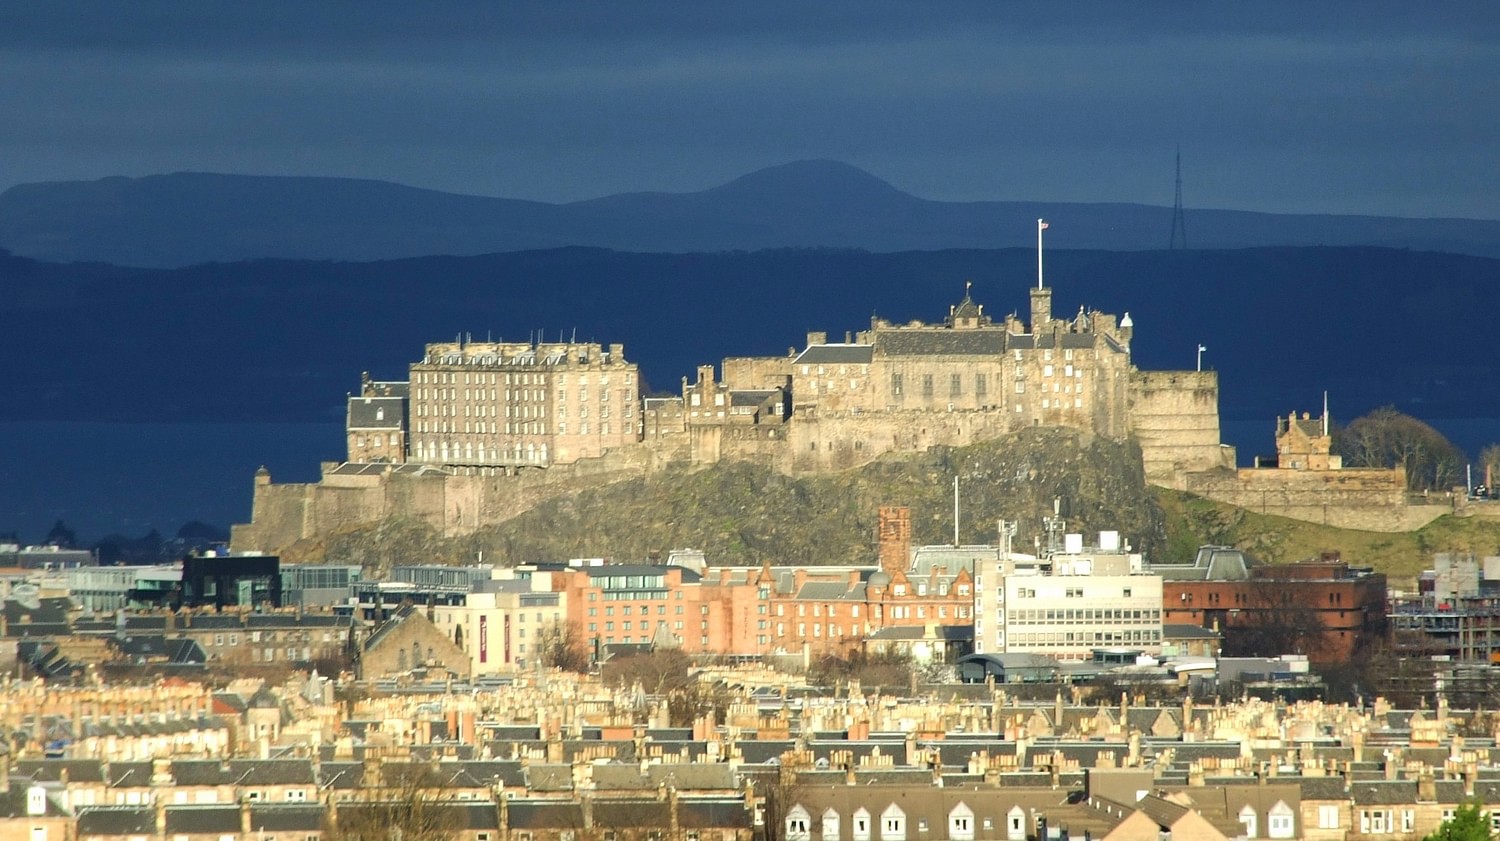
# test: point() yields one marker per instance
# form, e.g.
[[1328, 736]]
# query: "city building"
[[1323, 607]]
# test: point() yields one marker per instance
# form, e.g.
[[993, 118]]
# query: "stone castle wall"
[[452, 504], [1175, 417], [1366, 499]]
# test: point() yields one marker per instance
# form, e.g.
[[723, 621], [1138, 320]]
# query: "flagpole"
[[1040, 226]]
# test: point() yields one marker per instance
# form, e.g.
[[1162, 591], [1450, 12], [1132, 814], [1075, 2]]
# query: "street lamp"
[[1201, 349]]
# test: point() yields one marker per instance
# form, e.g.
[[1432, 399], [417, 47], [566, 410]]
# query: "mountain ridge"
[[181, 219]]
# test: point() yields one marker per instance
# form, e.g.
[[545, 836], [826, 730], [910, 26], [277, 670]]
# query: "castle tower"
[[894, 535], [1041, 309]]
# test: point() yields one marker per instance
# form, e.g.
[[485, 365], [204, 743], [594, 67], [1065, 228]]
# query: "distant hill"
[[183, 219], [280, 340]]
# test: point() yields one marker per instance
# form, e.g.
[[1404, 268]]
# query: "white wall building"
[[1069, 603]]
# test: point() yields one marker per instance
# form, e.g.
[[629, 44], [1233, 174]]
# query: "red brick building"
[[1323, 608]]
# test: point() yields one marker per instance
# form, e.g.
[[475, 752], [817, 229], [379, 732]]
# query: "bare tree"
[[561, 646], [1273, 621], [658, 672], [405, 804], [1388, 438], [776, 795]]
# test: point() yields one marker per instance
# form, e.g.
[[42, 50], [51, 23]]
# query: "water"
[[104, 478]]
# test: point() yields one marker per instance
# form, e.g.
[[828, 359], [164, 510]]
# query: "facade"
[[908, 386], [408, 642], [376, 424], [504, 626], [1069, 603], [521, 404], [1455, 614], [1323, 608]]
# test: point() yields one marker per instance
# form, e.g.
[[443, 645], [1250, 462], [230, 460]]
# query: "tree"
[[1388, 438], [776, 795], [1469, 823], [658, 672], [881, 668], [405, 804], [561, 646], [1489, 464], [61, 536], [1272, 622]]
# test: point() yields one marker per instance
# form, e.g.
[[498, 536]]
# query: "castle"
[[482, 431], [506, 407]]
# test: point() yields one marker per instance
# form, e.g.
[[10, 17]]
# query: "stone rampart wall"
[[1365, 499], [1175, 417]]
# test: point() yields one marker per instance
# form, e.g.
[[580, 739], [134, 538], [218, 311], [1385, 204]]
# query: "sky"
[[1354, 107]]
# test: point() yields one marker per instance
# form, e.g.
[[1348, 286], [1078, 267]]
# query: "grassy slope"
[[1192, 521]]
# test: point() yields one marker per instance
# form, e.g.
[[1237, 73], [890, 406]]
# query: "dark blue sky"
[[1368, 107]]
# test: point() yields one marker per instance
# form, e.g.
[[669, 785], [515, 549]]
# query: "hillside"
[[1192, 521], [187, 218], [739, 514], [742, 514]]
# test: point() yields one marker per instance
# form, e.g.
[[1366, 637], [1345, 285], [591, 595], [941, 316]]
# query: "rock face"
[[741, 513]]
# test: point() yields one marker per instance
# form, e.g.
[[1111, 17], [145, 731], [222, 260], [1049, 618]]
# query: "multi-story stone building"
[[513, 404]]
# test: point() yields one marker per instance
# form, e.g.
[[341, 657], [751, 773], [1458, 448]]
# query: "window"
[[926, 385], [896, 383], [1281, 822], [830, 827], [861, 825], [955, 385], [981, 385], [797, 822], [893, 824]]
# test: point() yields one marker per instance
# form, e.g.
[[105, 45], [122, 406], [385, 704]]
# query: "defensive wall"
[[452, 501], [1350, 498], [1174, 415]]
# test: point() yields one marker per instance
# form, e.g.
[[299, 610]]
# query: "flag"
[[1041, 225], [1201, 348]]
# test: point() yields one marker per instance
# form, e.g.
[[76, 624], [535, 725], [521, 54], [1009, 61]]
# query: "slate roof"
[[919, 632], [1379, 792], [549, 777], [51, 770], [128, 774], [544, 814], [696, 813], [836, 354], [352, 468], [831, 591], [635, 812], [211, 819], [376, 412], [271, 772], [14, 803], [752, 396], [286, 817], [118, 820], [1325, 788], [940, 342]]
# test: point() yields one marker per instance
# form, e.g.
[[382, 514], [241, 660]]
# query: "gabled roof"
[[384, 413], [836, 354]]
